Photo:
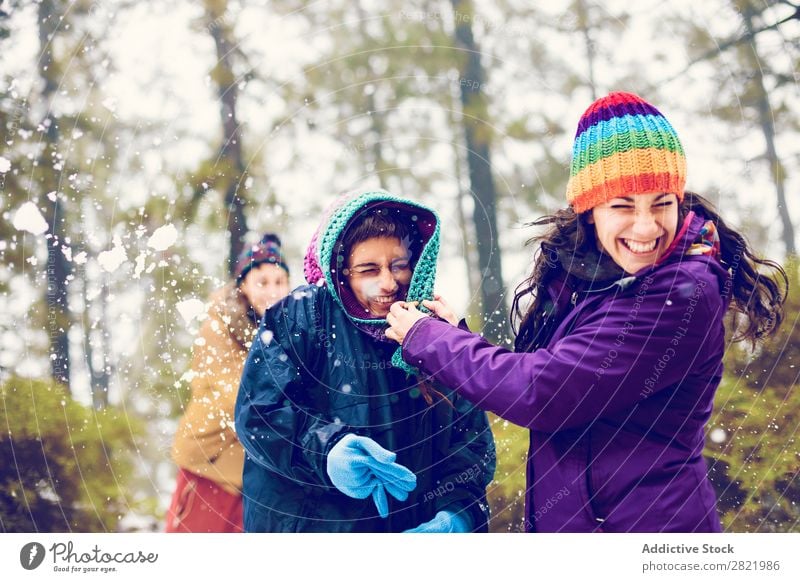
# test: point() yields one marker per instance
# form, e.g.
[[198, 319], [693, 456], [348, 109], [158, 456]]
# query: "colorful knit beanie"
[[624, 146], [268, 250]]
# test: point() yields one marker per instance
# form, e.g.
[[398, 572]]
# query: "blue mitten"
[[445, 522], [360, 467]]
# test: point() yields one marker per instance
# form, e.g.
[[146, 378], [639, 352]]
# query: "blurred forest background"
[[143, 143]]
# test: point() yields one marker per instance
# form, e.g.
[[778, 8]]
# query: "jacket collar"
[[687, 234], [560, 290], [237, 315]]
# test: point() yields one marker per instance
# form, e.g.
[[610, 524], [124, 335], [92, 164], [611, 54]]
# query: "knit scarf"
[[707, 241]]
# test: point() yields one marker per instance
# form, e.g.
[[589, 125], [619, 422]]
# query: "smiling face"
[[264, 285], [379, 273], [636, 230]]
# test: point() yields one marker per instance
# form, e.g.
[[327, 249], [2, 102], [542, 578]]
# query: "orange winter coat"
[[205, 442]]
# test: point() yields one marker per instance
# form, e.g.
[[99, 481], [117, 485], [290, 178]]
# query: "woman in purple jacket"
[[619, 351]]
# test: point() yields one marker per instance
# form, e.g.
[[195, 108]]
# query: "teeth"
[[639, 247], [384, 299]]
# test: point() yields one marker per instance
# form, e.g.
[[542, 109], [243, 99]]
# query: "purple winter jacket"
[[617, 401]]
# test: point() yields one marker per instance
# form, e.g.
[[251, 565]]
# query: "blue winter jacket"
[[313, 376]]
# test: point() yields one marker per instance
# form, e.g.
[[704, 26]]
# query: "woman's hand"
[[441, 309], [402, 315]]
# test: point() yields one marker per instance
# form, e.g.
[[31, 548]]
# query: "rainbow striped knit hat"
[[624, 146]]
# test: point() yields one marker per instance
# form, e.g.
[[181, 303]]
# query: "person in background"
[[340, 435], [619, 350], [207, 497]]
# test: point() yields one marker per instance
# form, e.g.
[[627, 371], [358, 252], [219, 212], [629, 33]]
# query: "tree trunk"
[[376, 117], [230, 154], [377, 129], [101, 378], [478, 139], [768, 128], [473, 279], [58, 268], [94, 336]]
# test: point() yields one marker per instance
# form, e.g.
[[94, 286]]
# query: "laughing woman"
[[619, 351], [339, 434]]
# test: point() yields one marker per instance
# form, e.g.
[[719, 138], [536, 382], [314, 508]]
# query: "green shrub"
[[755, 462], [507, 492], [63, 467]]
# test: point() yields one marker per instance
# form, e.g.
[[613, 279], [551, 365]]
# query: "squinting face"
[[264, 285], [379, 272], [636, 230]]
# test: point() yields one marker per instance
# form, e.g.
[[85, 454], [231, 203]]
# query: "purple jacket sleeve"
[[621, 351]]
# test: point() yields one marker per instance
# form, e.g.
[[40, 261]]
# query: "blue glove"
[[445, 522], [360, 467]]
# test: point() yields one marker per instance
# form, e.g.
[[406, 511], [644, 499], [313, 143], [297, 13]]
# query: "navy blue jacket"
[[310, 378]]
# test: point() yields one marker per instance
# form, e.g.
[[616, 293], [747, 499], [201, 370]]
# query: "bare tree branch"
[[723, 46]]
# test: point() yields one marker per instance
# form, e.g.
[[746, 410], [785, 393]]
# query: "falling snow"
[[139, 265], [718, 436], [299, 295], [163, 238], [29, 219], [111, 260], [191, 309]]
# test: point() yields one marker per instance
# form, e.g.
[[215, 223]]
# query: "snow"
[[299, 295], [163, 238], [5, 165], [718, 435], [191, 309], [28, 218], [139, 267], [111, 260], [266, 337], [188, 376]]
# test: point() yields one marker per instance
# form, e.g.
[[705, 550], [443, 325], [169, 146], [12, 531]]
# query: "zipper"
[[590, 485]]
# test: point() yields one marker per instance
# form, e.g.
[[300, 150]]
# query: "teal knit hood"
[[322, 262]]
